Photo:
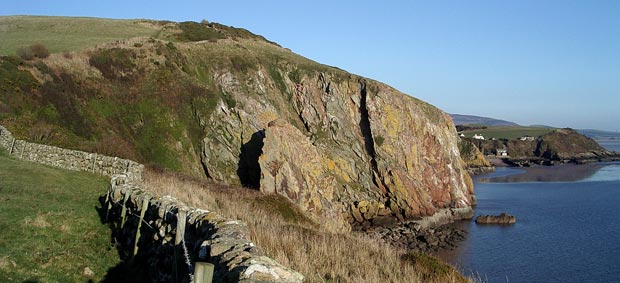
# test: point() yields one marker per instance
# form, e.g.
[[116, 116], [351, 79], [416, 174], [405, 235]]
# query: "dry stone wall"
[[70, 159], [164, 235], [172, 236]]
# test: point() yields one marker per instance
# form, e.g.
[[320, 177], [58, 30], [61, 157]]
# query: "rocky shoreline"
[[429, 235], [413, 237], [475, 171]]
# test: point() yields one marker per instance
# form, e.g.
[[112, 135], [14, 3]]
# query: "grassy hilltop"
[[61, 34]]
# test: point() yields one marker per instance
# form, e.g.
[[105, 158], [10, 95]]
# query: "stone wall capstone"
[[161, 233]]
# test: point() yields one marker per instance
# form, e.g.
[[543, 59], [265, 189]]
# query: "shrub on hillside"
[[193, 31], [41, 132], [36, 50], [14, 81], [115, 63], [39, 51], [113, 145]]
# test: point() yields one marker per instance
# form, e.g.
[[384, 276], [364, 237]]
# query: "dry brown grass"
[[75, 63], [39, 221], [293, 240]]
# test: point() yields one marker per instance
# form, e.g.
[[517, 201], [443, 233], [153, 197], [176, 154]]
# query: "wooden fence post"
[[21, 156], [180, 232], [203, 272], [124, 210], [94, 162], [12, 145], [145, 206]]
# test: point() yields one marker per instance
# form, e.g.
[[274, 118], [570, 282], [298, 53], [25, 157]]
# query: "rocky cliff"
[[474, 160], [211, 100]]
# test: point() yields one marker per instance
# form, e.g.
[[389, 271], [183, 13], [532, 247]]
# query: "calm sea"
[[612, 145], [565, 231]]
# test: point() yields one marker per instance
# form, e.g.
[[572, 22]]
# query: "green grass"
[[193, 31], [50, 228], [61, 34], [508, 132]]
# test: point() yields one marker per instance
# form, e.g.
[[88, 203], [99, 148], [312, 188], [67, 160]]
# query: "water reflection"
[[611, 145], [610, 172], [558, 173]]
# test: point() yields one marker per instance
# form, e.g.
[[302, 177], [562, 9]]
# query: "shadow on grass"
[[127, 271], [130, 269]]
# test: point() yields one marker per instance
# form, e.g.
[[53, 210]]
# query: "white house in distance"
[[478, 137], [501, 152], [526, 138]]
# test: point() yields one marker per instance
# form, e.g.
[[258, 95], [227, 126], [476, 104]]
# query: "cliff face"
[[342, 147], [473, 158], [242, 110]]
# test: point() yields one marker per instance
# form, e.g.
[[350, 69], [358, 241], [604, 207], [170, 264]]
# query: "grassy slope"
[[508, 132], [285, 234], [50, 228], [61, 34]]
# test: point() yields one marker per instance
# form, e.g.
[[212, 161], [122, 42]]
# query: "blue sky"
[[532, 62]]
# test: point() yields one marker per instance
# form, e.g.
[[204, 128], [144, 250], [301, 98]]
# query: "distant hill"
[[503, 132], [478, 120], [600, 135]]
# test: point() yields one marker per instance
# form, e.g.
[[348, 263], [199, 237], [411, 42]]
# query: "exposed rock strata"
[[344, 149]]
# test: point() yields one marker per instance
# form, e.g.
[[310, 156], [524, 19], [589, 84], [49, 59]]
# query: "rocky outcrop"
[[496, 219], [291, 166], [475, 161], [343, 148]]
